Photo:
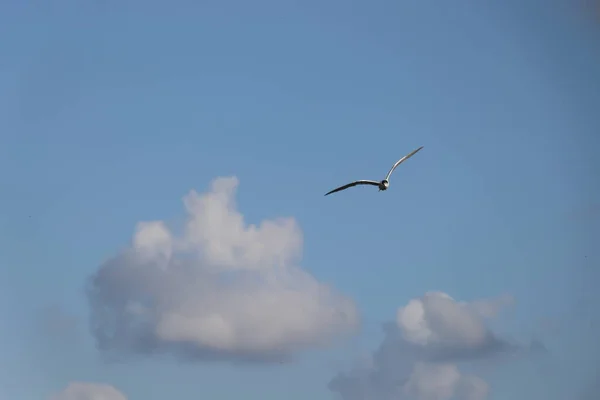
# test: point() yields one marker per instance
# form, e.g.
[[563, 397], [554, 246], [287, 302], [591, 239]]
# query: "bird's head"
[[385, 183]]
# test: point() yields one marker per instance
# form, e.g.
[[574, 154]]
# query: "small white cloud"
[[416, 359], [222, 288], [89, 391], [437, 319]]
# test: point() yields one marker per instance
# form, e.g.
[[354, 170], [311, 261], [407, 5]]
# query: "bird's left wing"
[[400, 161], [360, 182]]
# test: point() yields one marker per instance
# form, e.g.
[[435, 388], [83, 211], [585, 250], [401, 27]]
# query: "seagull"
[[384, 184]]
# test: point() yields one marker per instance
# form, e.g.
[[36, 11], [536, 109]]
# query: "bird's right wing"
[[361, 182]]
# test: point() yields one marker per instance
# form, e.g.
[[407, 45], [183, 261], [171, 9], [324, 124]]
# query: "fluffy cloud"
[[89, 391], [441, 327], [220, 289], [417, 358]]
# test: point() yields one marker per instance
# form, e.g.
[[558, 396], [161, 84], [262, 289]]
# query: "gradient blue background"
[[111, 111]]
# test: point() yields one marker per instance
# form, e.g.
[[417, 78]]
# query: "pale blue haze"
[[111, 111]]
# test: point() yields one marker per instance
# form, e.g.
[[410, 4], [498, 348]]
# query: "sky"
[[163, 229]]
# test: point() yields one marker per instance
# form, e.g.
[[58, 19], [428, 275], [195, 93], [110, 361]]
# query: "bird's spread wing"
[[361, 182], [400, 161]]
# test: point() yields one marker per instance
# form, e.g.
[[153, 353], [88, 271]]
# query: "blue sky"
[[111, 112]]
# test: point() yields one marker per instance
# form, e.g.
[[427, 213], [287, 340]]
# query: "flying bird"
[[384, 184]]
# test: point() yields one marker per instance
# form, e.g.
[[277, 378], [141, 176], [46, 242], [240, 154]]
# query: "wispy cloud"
[[221, 289]]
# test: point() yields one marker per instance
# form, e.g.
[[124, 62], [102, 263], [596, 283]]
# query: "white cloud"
[[437, 319], [89, 391], [220, 289], [417, 358]]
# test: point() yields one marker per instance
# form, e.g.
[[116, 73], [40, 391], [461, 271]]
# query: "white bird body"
[[382, 185]]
